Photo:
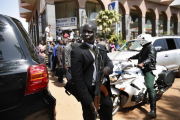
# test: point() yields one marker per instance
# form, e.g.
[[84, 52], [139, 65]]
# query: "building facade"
[[156, 17]]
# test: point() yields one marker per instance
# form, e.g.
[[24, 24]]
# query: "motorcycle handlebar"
[[129, 60], [135, 65]]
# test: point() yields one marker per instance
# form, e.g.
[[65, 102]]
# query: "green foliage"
[[108, 36], [121, 41], [171, 32], [106, 18], [114, 38], [165, 33]]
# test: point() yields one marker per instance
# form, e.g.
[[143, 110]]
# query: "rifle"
[[99, 77]]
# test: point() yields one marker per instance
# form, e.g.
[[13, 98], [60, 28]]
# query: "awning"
[[175, 3]]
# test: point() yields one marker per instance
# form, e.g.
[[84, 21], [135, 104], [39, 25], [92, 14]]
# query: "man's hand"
[[129, 60], [106, 71], [94, 111], [60, 64], [140, 65], [65, 67]]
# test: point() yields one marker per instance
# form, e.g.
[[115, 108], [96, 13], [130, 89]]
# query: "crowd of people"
[[58, 50]]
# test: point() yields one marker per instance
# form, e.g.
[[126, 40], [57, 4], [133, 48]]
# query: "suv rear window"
[[10, 48]]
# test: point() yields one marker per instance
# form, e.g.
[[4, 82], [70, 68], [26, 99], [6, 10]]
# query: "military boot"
[[152, 100]]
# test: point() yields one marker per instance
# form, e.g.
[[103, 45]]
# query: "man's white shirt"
[[47, 31], [49, 38], [71, 35], [94, 72]]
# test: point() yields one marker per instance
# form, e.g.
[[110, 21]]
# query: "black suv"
[[24, 77]]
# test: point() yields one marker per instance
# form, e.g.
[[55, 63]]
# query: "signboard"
[[65, 22], [114, 6]]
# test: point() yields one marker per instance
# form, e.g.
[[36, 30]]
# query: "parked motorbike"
[[128, 85]]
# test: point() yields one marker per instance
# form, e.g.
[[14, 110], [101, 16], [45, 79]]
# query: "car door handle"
[[166, 55]]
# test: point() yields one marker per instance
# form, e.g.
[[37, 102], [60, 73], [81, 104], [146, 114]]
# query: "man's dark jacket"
[[59, 51], [147, 56], [82, 71]]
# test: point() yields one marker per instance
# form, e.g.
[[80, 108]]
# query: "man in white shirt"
[[71, 35], [49, 38], [47, 30]]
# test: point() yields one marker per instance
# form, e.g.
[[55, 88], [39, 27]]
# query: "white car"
[[167, 47]]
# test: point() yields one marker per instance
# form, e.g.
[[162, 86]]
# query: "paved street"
[[168, 107]]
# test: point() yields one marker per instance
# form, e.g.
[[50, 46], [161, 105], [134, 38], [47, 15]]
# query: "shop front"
[[66, 15]]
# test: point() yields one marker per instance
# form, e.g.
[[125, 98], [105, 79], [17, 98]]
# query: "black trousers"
[[105, 111], [68, 74], [56, 64], [55, 61]]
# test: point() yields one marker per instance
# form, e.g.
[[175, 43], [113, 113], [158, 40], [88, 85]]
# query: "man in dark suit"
[[67, 57], [83, 68], [59, 51]]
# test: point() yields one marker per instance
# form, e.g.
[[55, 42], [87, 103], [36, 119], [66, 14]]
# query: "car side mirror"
[[158, 48]]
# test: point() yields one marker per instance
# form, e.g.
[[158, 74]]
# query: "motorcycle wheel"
[[116, 104]]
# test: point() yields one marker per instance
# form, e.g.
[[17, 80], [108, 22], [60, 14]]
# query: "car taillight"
[[37, 78]]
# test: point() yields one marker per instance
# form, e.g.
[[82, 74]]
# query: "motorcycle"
[[128, 85]]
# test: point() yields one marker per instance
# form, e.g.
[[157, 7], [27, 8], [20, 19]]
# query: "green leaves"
[[104, 24], [98, 20], [110, 21], [107, 29], [114, 38], [106, 18]]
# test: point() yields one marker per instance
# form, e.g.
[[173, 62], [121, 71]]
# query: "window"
[[10, 48], [178, 41], [92, 8], [132, 46], [30, 46], [159, 42], [65, 9], [171, 44]]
